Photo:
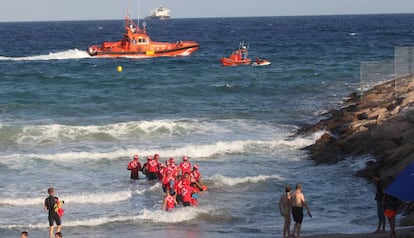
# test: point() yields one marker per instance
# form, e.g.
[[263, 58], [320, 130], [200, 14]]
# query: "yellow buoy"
[[119, 68]]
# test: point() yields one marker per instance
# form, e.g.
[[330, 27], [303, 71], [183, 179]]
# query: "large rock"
[[409, 115], [391, 129], [380, 124]]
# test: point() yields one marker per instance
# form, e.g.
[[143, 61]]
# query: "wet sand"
[[401, 233]]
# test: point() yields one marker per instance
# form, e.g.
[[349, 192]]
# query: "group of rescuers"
[[181, 183]]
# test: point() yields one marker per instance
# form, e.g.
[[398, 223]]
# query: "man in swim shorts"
[[298, 203], [53, 216]]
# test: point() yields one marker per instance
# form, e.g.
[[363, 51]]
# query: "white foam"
[[359, 163], [220, 180], [57, 133], [133, 130], [68, 54], [177, 215], [156, 186], [191, 150], [83, 198], [32, 135]]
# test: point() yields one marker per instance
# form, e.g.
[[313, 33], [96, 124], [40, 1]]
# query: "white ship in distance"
[[160, 13]]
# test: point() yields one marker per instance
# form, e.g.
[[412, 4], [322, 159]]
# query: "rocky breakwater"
[[379, 124]]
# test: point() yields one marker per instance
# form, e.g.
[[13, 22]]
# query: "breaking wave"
[[157, 216], [92, 198], [193, 150], [220, 180], [57, 133]]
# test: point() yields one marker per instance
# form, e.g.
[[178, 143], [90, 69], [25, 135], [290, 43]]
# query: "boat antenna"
[[139, 10]]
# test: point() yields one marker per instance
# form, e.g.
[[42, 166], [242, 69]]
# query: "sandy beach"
[[407, 232]]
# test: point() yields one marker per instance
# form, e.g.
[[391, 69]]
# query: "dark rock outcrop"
[[379, 122]]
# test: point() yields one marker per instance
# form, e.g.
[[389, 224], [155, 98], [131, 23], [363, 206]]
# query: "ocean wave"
[[59, 133], [51, 134], [220, 180], [156, 216], [198, 151], [82, 198], [62, 55], [155, 187], [175, 216]]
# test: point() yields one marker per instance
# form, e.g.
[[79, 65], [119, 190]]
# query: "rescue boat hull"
[[147, 52], [231, 62]]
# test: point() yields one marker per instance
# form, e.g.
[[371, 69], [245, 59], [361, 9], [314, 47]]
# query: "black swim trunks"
[[54, 217], [297, 213]]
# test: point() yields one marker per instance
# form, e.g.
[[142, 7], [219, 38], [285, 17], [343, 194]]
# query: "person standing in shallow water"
[[379, 197], [134, 166], [298, 203], [50, 202], [285, 204]]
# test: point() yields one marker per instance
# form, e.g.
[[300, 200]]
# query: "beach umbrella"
[[403, 185]]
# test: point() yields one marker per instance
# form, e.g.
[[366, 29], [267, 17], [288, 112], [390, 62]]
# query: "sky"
[[53, 10]]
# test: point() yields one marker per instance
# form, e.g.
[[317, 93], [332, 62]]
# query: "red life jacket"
[[186, 191], [178, 186], [58, 207], [195, 176], [185, 167], [152, 166], [133, 165], [166, 180], [170, 202]]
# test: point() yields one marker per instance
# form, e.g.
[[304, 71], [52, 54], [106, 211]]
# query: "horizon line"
[[178, 18]]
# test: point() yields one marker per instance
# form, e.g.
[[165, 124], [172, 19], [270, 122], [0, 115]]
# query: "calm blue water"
[[73, 122]]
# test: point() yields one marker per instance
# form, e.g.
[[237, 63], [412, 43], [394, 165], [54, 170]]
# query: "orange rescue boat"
[[238, 57], [136, 43]]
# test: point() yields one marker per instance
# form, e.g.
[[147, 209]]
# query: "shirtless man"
[[298, 203]]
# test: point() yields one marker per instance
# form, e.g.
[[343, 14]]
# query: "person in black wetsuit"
[[53, 216]]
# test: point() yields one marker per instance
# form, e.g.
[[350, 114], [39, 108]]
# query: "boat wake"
[[62, 55]]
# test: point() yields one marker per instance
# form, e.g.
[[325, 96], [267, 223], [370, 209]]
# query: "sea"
[[73, 122]]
